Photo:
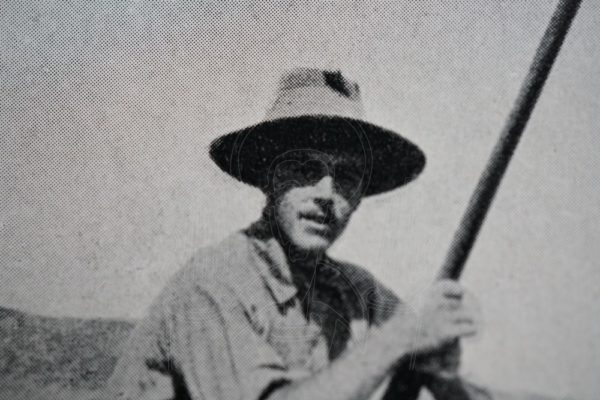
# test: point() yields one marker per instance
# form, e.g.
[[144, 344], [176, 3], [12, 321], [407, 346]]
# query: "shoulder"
[[210, 289], [216, 263], [221, 271], [376, 297]]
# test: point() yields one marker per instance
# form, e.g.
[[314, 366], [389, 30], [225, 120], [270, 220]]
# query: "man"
[[267, 314]]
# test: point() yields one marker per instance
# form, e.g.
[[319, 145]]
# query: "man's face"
[[314, 197]]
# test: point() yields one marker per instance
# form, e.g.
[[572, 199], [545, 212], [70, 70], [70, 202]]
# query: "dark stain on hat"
[[337, 82]]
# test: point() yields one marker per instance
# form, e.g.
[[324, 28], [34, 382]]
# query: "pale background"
[[107, 110]]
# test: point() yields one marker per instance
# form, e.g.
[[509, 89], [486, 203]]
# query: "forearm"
[[355, 375], [359, 372]]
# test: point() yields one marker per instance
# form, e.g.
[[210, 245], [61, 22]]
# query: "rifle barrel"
[[491, 177]]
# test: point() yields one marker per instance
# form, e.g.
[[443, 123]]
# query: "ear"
[[272, 199], [355, 202], [356, 198]]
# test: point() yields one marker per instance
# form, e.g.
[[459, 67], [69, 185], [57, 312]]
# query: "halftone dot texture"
[[107, 110]]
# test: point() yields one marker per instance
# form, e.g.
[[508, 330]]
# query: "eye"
[[348, 180], [299, 173], [313, 171]]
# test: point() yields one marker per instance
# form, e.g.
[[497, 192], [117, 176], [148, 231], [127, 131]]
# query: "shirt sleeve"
[[200, 344]]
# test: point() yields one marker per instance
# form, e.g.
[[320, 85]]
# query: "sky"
[[107, 110]]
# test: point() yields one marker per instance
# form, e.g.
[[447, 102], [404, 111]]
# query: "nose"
[[324, 188]]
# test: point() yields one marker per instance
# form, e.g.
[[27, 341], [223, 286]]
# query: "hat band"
[[313, 101]]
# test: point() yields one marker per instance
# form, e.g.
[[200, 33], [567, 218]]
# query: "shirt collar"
[[271, 262]]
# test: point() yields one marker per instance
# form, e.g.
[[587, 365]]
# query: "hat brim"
[[247, 154]]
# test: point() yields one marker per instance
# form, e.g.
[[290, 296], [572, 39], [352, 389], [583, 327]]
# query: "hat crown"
[[318, 110], [311, 91], [307, 77]]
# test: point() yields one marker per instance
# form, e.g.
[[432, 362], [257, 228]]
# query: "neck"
[[301, 259], [298, 259]]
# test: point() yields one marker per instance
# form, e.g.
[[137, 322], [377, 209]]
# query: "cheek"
[[344, 210], [288, 207]]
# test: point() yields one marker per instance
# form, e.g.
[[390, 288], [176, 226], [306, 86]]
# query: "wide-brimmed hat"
[[318, 110]]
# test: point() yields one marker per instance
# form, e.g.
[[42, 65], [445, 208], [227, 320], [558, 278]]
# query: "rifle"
[[490, 179], [406, 383]]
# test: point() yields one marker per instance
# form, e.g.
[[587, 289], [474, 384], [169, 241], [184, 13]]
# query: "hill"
[[44, 358], [53, 354]]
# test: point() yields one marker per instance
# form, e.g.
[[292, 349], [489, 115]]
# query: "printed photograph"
[[286, 200]]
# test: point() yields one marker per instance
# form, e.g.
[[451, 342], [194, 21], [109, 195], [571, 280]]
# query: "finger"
[[463, 329], [462, 316], [470, 302], [459, 321], [473, 311], [449, 288], [441, 301], [450, 303], [462, 320]]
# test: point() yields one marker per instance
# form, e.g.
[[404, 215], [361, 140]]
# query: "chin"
[[311, 243]]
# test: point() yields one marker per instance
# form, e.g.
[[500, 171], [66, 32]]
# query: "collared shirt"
[[237, 322]]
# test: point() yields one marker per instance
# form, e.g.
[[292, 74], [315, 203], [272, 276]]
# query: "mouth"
[[319, 220]]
